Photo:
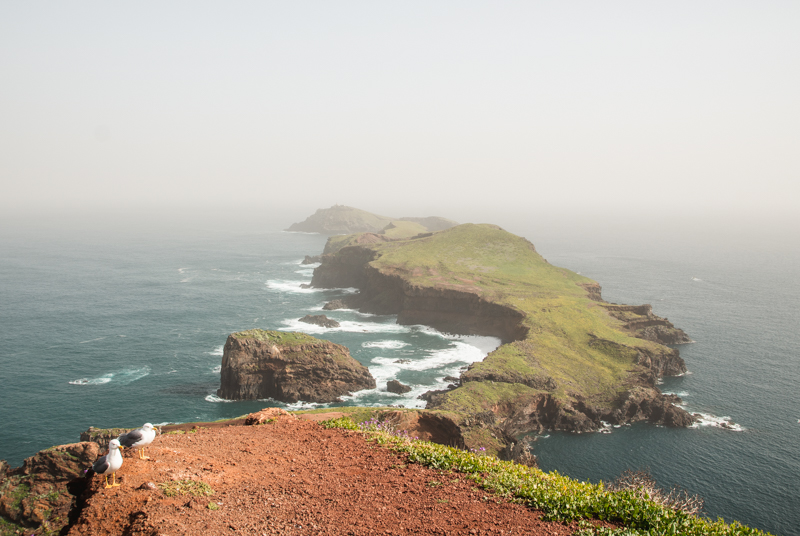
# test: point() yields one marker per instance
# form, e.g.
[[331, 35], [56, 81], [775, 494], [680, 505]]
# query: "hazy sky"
[[401, 107]]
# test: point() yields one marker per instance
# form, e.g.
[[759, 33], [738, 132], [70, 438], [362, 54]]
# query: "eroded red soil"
[[294, 477]]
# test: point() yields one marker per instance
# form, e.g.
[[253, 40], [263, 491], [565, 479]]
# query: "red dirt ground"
[[292, 476]]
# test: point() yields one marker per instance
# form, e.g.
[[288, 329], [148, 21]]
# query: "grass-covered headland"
[[559, 497]]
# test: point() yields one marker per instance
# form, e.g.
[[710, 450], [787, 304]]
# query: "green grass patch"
[[185, 487], [560, 498], [286, 338], [7, 528]]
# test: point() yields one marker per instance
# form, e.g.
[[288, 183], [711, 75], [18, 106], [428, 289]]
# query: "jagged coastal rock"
[[394, 386], [289, 367], [333, 305], [35, 495], [320, 320], [569, 360]]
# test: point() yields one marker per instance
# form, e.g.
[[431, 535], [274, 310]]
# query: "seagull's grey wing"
[[101, 465], [131, 438]]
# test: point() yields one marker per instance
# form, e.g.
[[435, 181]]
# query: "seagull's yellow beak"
[[121, 447]]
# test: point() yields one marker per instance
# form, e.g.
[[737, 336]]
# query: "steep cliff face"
[[448, 310], [288, 367]]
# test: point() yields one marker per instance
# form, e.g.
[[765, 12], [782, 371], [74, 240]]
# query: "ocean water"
[[116, 329]]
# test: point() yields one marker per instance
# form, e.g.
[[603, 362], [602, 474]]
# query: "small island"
[[288, 367]]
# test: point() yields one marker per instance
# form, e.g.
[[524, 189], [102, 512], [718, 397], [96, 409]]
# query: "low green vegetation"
[[560, 498], [185, 487], [7, 528], [287, 338], [403, 229]]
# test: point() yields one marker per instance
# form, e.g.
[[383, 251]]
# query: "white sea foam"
[[706, 419], [344, 325], [682, 394], [287, 285], [214, 398], [94, 381], [124, 376], [305, 271], [216, 351], [387, 345], [457, 355], [217, 369], [92, 340], [131, 375]]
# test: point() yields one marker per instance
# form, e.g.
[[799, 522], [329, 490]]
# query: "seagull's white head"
[[114, 444], [147, 426]]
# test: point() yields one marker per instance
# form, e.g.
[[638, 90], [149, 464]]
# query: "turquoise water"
[[107, 329]]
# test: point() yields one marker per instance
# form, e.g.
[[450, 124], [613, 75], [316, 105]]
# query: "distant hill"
[[340, 219]]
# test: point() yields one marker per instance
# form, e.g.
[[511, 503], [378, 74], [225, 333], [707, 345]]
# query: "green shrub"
[[560, 498]]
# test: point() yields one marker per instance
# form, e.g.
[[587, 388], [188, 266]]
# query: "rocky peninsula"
[[569, 360], [288, 367]]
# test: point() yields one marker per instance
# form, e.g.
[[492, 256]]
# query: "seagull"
[[139, 438], [110, 463]]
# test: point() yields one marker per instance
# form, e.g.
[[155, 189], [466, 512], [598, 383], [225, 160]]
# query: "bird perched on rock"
[[110, 463], [139, 439]]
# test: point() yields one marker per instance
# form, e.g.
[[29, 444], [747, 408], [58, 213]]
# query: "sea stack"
[[289, 367]]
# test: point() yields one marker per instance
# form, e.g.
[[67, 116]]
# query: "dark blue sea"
[[120, 326]]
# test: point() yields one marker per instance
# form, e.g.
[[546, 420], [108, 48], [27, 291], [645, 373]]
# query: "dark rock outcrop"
[[426, 425], [642, 323], [312, 259], [35, 495], [649, 404], [333, 305], [394, 386], [289, 367], [320, 320]]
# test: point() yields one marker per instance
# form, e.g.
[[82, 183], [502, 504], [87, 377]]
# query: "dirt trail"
[[292, 476]]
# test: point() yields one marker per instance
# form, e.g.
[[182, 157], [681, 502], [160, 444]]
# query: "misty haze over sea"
[[118, 321]]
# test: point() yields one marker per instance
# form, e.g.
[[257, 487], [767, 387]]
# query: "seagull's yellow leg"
[[114, 478], [107, 486], [143, 456]]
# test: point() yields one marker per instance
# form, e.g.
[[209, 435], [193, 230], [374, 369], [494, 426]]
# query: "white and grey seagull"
[[139, 439], [110, 463]]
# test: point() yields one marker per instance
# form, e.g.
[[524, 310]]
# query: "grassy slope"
[[506, 269], [394, 230]]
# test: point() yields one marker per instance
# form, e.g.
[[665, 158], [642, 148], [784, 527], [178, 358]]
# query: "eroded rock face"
[[427, 426], [311, 370], [35, 495]]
